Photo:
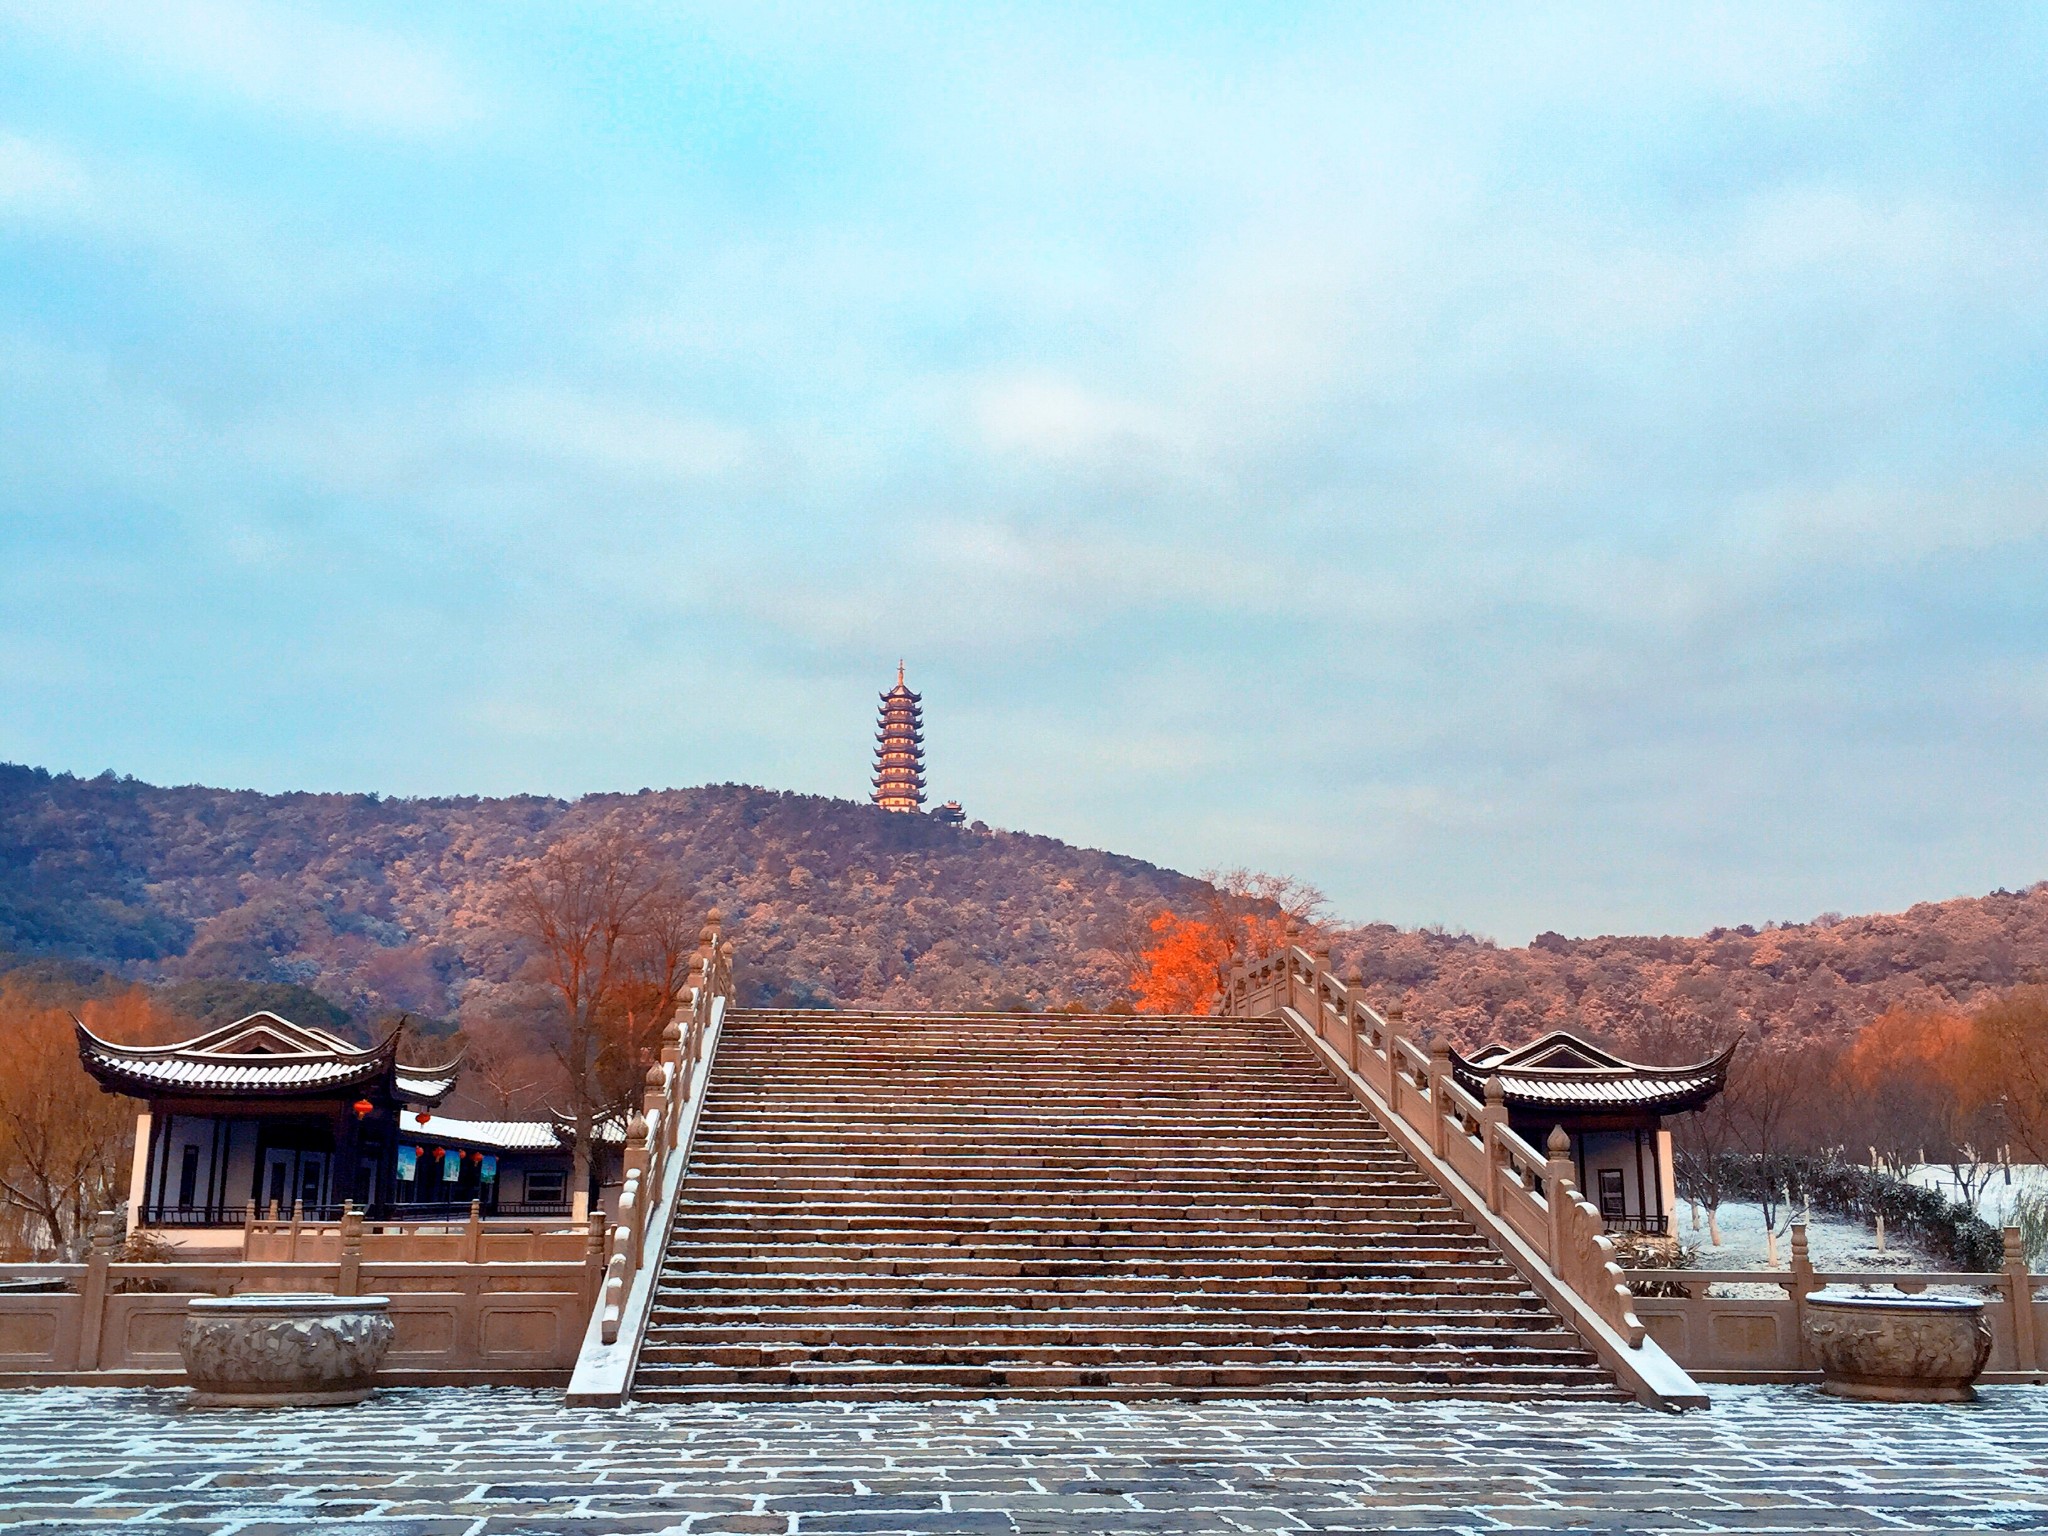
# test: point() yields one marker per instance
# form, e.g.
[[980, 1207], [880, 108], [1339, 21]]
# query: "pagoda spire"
[[899, 749]]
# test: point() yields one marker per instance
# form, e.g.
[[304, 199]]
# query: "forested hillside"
[[1820, 980], [386, 905]]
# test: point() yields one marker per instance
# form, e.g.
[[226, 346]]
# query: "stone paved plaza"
[[448, 1462]]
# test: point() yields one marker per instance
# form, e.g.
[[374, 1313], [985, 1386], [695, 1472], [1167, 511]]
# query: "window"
[[1613, 1203], [188, 1175], [546, 1186]]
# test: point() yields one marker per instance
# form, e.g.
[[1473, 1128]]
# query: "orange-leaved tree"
[[1240, 916], [1918, 1072]]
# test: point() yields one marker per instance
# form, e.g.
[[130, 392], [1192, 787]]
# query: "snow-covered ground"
[[1832, 1242]]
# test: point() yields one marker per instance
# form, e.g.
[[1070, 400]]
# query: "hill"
[[1822, 980], [387, 904]]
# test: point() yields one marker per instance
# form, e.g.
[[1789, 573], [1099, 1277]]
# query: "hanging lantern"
[[423, 1117], [363, 1108]]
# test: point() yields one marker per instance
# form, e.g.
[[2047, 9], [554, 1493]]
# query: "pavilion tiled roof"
[[497, 1135], [261, 1056], [1561, 1071]]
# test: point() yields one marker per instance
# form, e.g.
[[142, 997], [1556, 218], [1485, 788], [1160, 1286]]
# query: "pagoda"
[[899, 749]]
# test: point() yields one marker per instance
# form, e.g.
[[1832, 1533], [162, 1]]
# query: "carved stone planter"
[[1898, 1349], [283, 1351]]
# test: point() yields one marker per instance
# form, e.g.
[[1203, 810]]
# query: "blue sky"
[[1517, 467]]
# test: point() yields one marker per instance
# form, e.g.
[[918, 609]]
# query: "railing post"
[[593, 1258], [1396, 1026], [1558, 1192], [1439, 1101], [92, 1309], [473, 1233], [1354, 999], [298, 1220], [347, 1282], [248, 1229], [1491, 1119], [1802, 1284], [2019, 1290]]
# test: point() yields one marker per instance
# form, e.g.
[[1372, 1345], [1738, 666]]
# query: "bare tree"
[[2009, 1059], [1769, 1089], [582, 905], [1702, 1138], [64, 1144], [664, 938]]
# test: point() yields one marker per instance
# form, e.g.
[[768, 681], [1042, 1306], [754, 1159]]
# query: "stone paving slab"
[[481, 1462]]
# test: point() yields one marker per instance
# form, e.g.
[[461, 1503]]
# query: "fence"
[[457, 1321], [1762, 1338], [471, 1240]]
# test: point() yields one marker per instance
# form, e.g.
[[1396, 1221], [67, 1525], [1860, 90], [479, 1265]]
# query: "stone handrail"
[[1526, 1199], [1745, 1337], [657, 1150], [651, 1135], [459, 1321]]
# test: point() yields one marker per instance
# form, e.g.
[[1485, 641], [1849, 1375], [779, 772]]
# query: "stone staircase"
[[1050, 1205]]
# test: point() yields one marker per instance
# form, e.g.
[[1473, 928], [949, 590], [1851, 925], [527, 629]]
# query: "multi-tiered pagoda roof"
[[899, 750]]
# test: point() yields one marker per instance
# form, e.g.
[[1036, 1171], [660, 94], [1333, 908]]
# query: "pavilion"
[[1613, 1110], [280, 1115]]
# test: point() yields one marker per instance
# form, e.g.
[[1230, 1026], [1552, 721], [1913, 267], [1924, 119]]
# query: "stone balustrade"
[[657, 1152], [1526, 1198], [454, 1321], [1741, 1335]]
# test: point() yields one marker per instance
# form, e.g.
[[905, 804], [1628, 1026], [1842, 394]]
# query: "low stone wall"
[[1761, 1338], [457, 1322]]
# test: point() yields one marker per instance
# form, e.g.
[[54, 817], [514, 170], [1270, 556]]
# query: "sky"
[[1518, 468]]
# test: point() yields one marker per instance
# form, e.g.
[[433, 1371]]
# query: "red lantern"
[[423, 1117], [362, 1107]]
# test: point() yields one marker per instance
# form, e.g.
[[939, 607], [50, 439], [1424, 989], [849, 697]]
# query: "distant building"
[[899, 750], [950, 813]]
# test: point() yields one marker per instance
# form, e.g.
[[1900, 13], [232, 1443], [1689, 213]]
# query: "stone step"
[[1244, 1309], [1060, 1205], [821, 1377], [1596, 1390], [664, 1355]]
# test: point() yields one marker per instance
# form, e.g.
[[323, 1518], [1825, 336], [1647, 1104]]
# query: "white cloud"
[[284, 59], [38, 179], [1044, 416]]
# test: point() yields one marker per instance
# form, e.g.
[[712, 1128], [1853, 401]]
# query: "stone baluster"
[[1558, 1192], [1397, 1024], [248, 1230], [1492, 1120], [593, 1257], [473, 1233], [680, 1074], [1354, 1013], [1439, 1100], [298, 1221], [2019, 1292], [348, 1281], [1801, 1285], [92, 1300]]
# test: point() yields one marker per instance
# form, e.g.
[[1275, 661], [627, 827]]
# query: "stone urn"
[[1898, 1349], [283, 1350]]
